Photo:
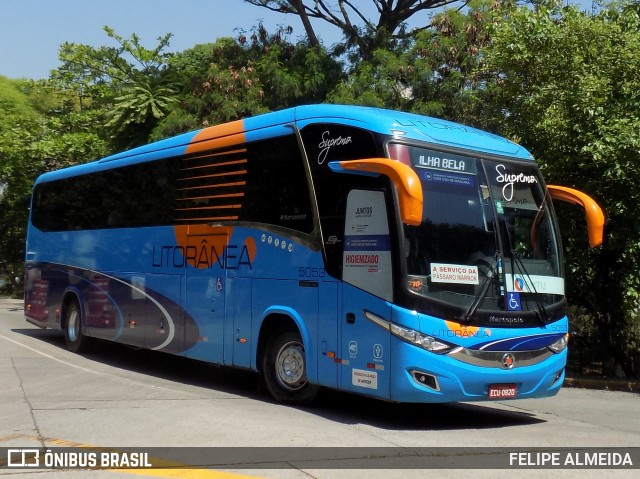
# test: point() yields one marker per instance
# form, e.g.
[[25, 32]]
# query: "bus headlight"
[[428, 343], [422, 340], [560, 344]]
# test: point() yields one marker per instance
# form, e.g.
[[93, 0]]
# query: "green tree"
[[291, 74], [20, 123], [254, 73], [437, 73], [365, 28], [128, 82], [568, 87], [40, 130]]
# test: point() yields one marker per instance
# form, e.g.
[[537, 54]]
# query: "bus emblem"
[[508, 361]]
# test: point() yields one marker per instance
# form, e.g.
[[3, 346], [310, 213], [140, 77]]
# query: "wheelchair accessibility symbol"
[[513, 302]]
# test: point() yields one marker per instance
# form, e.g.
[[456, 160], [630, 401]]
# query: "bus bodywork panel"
[[458, 381], [376, 363], [208, 279]]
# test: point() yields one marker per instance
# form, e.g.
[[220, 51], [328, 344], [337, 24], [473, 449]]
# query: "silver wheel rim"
[[290, 367], [73, 325]]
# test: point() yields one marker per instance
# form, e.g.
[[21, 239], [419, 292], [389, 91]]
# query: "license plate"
[[502, 391]]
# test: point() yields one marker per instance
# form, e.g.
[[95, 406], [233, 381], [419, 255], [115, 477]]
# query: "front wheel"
[[75, 340], [284, 369]]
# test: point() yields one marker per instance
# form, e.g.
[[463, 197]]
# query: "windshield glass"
[[487, 239]]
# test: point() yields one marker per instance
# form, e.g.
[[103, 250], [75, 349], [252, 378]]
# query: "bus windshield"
[[488, 238]]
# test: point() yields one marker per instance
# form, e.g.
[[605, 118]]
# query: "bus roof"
[[413, 127], [388, 122]]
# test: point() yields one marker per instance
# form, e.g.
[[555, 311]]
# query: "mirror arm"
[[593, 212], [403, 177]]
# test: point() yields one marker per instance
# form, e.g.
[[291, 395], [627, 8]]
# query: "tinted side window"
[[277, 187], [136, 195], [263, 182], [325, 143]]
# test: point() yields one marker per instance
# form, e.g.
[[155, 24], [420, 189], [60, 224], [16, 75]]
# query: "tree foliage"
[[128, 82], [563, 83], [568, 87], [362, 34], [439, 73], [39, 132], [254, 73]]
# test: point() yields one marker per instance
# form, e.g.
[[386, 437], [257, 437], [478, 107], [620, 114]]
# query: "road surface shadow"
[[330, 404], [350, 408]]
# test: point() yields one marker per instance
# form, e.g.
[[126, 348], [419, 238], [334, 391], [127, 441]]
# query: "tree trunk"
[[311, 34]]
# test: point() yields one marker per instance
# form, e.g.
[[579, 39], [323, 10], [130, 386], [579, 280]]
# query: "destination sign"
[[438, 160]]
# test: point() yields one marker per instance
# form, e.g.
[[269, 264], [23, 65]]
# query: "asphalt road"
[[130, 400]]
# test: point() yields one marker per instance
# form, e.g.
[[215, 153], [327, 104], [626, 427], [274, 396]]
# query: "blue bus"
[[372, 251]]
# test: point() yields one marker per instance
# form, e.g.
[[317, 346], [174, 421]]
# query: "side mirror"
[[403, 177], [593, 212]]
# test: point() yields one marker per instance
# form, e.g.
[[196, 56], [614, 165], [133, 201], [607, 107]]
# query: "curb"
[[12, 301], [623, 385]]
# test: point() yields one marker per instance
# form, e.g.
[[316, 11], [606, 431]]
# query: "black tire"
[[284, 369], [74, 338]]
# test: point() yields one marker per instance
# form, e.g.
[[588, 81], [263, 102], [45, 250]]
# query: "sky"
[[31, 31]]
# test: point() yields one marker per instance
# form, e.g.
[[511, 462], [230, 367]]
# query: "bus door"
[[205, 291], [237, 334], [367, 292], [328, 307]]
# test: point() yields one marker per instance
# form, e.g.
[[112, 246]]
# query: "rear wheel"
[[76, 341], [284, 369]]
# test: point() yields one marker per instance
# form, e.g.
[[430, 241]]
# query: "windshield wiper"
[[541, 312], [484, 288]]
